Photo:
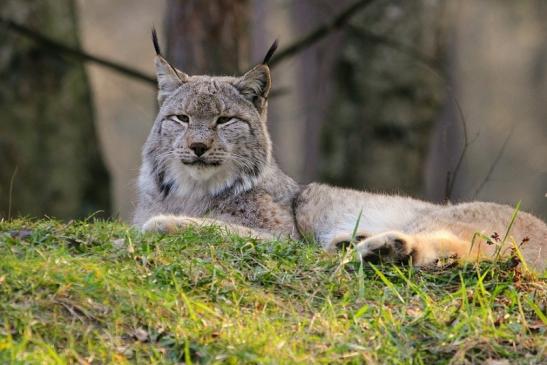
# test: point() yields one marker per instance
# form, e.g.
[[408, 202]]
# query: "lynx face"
[[210, 132]]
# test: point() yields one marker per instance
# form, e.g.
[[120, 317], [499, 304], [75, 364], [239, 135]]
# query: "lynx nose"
[[199, 148]]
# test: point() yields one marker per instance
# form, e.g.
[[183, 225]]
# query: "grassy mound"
[[100, 292]]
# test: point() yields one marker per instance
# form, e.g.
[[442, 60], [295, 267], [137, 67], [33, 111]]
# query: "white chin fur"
[[201, 173], [196, 180]]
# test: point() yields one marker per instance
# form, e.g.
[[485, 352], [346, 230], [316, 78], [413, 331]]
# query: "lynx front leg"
[[173, 223], [423, 248]]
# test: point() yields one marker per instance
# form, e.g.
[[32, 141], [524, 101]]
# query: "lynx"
[[208, 160]]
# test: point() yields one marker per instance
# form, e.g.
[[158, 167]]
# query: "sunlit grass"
[[100, 292]]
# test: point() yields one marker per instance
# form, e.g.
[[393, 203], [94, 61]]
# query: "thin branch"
[[11, 192], [320, 32], [451, 181], [76, 53], [81, 55], [398, 46], [306, 41], [495, 162]]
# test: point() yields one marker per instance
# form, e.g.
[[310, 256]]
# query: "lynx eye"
[[181, 118], [224, 120]]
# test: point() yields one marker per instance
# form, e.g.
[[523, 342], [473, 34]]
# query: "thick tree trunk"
[[208, 37], [48, 147]]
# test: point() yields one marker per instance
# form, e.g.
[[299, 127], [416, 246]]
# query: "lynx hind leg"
[[173, 223], [424, 249]]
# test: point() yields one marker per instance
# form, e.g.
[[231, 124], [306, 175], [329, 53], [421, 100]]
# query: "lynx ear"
[[255, 85], [169, 78], [270, 53]]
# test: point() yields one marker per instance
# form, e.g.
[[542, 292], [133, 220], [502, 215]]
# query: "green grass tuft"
[[100, 292]]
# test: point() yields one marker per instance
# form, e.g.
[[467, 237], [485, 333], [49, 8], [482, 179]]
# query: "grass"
[[94, 292]]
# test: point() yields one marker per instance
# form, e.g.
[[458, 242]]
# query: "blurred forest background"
[[444, 100]]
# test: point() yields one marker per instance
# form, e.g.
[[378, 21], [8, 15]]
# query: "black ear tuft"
[[155, 42], [270, 53]]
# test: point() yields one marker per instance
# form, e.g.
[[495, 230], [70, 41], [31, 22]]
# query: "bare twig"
[[451, 176], [495, 162], [76, 53], [451, 181], [320, 32], [10, 201]]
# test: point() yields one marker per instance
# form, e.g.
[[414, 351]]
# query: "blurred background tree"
[[208, 37], [387, 92], [50, 159], [439, 99], [496, 68]]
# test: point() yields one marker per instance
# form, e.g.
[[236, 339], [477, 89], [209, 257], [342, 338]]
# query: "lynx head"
[[210, 133]]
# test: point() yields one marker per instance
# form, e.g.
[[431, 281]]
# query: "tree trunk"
[[49, 156], [315, 69], [208, 37]]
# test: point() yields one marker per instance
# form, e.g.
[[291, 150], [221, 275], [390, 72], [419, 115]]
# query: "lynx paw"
[[386, 247], [168, 223], [343, 241]]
